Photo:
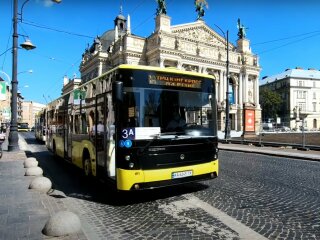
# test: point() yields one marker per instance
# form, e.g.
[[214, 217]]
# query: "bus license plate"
[[181, 174]]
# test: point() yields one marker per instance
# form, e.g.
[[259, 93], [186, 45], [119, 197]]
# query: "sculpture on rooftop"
[[242, 30], [200, 4], [162, 9]]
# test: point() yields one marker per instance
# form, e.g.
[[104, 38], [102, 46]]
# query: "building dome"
[[106, 39], [121, 17]]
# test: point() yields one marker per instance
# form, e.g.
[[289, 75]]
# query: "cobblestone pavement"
[[24, 212], [277, 197], [254, 197]]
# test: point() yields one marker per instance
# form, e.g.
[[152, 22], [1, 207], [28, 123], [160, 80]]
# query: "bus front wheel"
[[87, 167]]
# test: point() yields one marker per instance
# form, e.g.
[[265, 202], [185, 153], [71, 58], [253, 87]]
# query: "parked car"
[[285, 129]]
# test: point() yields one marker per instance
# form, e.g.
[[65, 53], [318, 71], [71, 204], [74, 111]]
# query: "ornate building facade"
[[191, 47]]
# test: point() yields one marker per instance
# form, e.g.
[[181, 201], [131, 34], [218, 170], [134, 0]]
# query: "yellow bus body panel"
[[127, 178], [59, 146], [77, 149], [77, 154]]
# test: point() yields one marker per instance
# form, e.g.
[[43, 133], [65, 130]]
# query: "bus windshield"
[[183, 112]]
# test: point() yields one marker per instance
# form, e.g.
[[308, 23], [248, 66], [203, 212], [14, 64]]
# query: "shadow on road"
[[71, 181]]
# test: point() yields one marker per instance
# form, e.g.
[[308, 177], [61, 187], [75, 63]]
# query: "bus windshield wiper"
[[158, 136], [142, 150]]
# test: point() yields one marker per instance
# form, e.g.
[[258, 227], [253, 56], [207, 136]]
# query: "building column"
[[179, 65], [217, 91], [161, 63], [240, 90], [245, 88], [257, 92], [221, 86], [236, 94]]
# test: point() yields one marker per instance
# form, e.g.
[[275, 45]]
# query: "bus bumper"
[[128, 180]]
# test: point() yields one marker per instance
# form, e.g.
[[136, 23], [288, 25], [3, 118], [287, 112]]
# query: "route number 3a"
[[128, 133]]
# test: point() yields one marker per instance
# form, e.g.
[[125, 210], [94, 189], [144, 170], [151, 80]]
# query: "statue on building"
[[200, 4], [162, 9], [242, 30], [177, 43]]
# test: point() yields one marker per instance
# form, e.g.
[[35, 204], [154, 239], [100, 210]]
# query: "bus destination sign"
[[174, 81]]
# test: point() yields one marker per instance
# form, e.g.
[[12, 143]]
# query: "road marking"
[[243, 231], [176, 209]]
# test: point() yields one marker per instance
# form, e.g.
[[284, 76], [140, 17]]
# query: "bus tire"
[[87, 166]]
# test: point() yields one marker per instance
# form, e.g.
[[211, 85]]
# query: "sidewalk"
[[24, 212], [273, 151]]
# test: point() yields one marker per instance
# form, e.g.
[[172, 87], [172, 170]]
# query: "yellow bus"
[[118, 127], [23, 127]]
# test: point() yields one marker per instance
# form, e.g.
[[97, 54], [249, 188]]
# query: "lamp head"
[[28, 45]]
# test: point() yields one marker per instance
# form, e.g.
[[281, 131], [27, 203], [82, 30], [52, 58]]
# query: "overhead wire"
[[314, 33], [286, 38], [55, 29], [289, 43], [9, 37]]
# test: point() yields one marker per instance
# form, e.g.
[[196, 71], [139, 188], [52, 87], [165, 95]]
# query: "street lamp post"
[[227, 127], [13, 135]]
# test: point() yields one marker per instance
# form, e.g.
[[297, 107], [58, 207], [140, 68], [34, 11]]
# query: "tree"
[[270, 102]]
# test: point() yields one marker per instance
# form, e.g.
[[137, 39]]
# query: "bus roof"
[[172, 70], [167, 70]]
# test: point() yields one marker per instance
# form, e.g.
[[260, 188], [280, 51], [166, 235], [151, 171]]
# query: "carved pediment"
[[199, 32]]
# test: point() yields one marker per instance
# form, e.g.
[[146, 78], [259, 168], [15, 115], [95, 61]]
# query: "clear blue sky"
[[284, 33]]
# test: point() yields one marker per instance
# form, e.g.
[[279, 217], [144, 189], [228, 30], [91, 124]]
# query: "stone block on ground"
[[41, 184], [30, 163], [34, 171], [62, 223]]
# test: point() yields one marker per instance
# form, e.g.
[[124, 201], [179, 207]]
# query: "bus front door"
[[101, 134]]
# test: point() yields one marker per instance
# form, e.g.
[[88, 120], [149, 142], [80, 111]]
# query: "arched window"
[[315, 123]]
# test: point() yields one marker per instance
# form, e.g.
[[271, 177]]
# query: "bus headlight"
[[131, 165], [127, 157]]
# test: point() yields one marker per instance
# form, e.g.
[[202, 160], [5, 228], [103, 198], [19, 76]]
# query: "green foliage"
[[270, 102]]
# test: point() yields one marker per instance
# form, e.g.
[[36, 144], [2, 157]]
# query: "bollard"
[[62, 223], [34, 171], [41, 184]]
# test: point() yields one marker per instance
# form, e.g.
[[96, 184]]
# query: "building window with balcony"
[[314, 107]]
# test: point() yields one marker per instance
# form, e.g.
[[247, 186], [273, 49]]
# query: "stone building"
[[300, 93], [5, 109], [192, 47], [29, 111]]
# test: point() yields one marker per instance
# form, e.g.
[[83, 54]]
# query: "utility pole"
[[13, 135], [227, 127]]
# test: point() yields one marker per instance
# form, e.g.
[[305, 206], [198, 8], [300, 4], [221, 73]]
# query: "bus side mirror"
[[117, 92]]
